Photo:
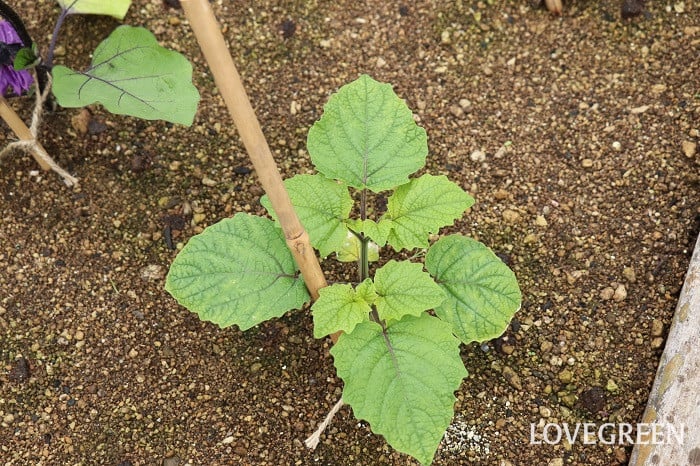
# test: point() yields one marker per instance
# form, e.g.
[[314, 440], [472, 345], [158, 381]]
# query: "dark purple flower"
[[19, 81]]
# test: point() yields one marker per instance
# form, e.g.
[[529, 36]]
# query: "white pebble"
[[477, 156]]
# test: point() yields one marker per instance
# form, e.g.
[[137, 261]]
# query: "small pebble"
[[456, 111], [638, 110], [569, 400], [465, 104], [255, 367], [545, 412], [152, 272], [512, 378], [530, 238], [611, 386], [657, 328], [566, 376], [81, 120], [540, 221], [206, 181], [445, 37], [657, 342], [198, 218], [620, 293], [171, 461], [556, 462], [477, 156], [586, 163], [500, 194], [607, 293], [510, 216], [689, 148], [133, 353], [617, 146], [629, 274]]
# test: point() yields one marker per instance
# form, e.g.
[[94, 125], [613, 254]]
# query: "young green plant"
[[399, 355]]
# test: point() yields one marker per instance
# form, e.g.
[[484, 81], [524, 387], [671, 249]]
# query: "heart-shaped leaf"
[[238, 271], [482, 292], [405, 289], [132, 75], [367, 137], [402, 381], [423, 206]]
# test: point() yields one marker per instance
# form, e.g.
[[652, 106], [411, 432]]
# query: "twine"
[[315, 438], [32, 145]]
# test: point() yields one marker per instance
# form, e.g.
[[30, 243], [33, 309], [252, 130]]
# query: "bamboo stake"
[[21, 130], [211, 41], [29, 142]]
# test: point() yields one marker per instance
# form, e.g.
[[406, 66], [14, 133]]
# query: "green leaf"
[[132, 75], [340, 307], [482, 292], [377, 231], [367, 137], [114, 8], [25, 58], [421, 207], [238, 271], [321, 205], [366, 291], [402, 381], [405, 289], [350, 250]]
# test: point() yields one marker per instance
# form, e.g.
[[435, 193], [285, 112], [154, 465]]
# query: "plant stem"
[[364, 258], [54, 36]]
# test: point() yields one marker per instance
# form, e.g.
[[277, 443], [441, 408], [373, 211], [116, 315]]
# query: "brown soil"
[[583, 186]]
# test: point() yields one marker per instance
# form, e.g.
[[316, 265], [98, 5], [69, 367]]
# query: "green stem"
[[364, 258], [364, 241]]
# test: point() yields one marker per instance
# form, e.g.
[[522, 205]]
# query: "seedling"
[[130, 74], [402, 321]]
